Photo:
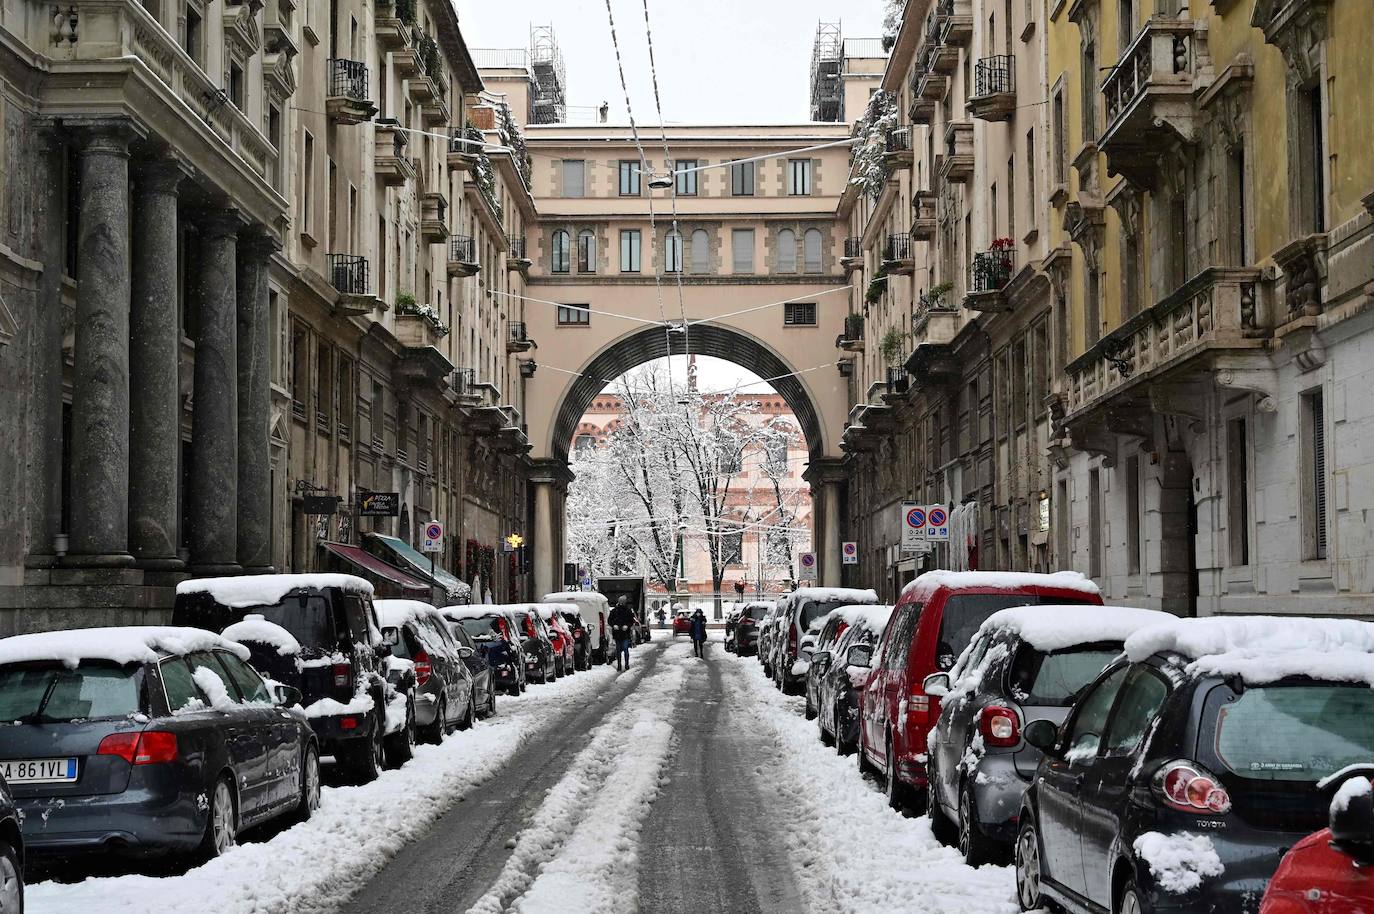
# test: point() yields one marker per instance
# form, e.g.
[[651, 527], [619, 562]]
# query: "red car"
[[564, 648], [682, 624], [1332, 871], [933, 621]]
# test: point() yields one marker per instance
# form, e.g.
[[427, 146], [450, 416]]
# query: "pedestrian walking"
[[699, 633], [622, 621], [662, 618]]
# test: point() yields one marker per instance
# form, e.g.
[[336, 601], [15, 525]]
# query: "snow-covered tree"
[[892, 21], [868, 166]]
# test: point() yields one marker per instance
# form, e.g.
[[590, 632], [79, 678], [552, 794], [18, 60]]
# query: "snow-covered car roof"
[[254, 627], [577, 596], [472, 611], [761, 604], [846, 595], [548, 610], [395, 613], [1053, 628], [267, 589], [130, 644], [1004, 580], [1261, 649], [866, 615]]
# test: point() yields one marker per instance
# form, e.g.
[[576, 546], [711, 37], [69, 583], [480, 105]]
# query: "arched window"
[[701, 251], [586, 251], [813, 241], [672, 252], [561, 253], [787, 251]]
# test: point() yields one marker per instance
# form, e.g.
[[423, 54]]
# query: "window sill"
[[1028, 32], [1058, 195], [308, 240]]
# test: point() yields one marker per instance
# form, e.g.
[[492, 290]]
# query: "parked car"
[[934, 620], [319, 634], [444, 696], [731, 621], [682, 623], [11, 854], [847, 669], [746, 633], [148, 740], [582, 645], [796, 612], [483, 677], [593, 609], [540, 659], [559, 636], [1328, 871], [1192, 762], [493, 632], [1025, 663], [767, 630], [827, 630]]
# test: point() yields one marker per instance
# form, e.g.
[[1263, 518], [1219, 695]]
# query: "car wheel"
[[11, 880], [866, 768], [470, 716], [434, 733], [491, 702], [810, 709], [973, 844], [945, 831], [892, 785], [1028, 872], [827, 737], [310, 786], [1131, 901], [221, 827], [400, 746]]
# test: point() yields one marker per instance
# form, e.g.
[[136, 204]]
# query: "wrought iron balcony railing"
[[462, 249], [348, 79], [853, 247], [992, 269], [993, 75], [348, 273], [515, 247], [897, 247]]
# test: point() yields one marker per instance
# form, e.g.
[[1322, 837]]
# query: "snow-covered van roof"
[[395, 613], [1261, 649], [131, 644], [255, 627], [1054, 628], [846, 595], [267, 589], [1004, 580], [577, 596]]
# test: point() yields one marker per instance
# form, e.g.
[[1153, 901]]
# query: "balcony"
[[419, 326], [957, 166], [463, 152], [463, 384], [957, 16], [897, 254], [1149, 99], [852, 339], [348, 101], [936, 319], [922, 110], [433, 217], [898, 381], [853, 258], [435, 112], [897, 147], [393, 167], [395, 24], [992, 270], [923, 216], [348, 274], [516, 258], [422, 87], [994, 88], [930, 86], [517, 338], [1202, 332], [462, 256]]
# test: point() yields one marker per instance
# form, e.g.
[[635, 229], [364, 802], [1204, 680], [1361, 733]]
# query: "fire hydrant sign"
[[850, 553], [937, 524], [914, 528], [434, 537]]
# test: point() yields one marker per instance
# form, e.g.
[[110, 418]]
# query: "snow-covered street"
[[681, 785]]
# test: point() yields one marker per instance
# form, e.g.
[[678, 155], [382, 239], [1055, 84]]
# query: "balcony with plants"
[[897, 146], [991, 271], [869, 167], [418, 325], [348, 100], [480, 189], [892, 349], [994, 88]]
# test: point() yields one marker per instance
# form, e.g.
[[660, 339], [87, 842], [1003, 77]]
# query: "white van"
[[593, 608]]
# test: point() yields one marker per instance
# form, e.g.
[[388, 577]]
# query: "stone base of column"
[[216, 571], [259, 569], [41, 560], [114, 560], [167, 564]]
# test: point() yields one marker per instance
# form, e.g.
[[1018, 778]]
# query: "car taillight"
[[747, 622], [343, 675], [792, 639], [1188, 787], [423, 668], [149, 748], [1000, 726], [348, 723], [918, 708]]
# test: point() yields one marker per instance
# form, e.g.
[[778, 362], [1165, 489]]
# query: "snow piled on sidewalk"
[[311, 868], [850, 852]]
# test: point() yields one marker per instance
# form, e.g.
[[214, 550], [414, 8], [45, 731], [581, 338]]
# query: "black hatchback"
[[147, 740], [1188, 767]]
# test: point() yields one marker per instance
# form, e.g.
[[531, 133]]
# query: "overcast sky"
[[719, 61]]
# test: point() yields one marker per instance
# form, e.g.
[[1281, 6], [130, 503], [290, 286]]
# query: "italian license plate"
[[39, 771]]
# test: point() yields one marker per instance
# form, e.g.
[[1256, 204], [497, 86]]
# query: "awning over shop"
[[377, 571], [402, 553]]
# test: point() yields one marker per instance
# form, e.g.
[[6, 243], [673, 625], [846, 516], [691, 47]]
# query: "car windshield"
[[756, 612], [1296, 732], [53, 693], [482, 629], [965, 612], [309, 618], [1055, 679]]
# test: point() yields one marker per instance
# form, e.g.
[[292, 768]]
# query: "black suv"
[[317, 633]]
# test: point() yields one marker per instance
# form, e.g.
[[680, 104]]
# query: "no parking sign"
[[434, 537], [807, 561], [937, 524], [913, 527], [850, 553]]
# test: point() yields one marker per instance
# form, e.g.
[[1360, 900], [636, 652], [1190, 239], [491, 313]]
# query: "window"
[[300, 366], [1238, 491], [787, 251], [776, 456], [236, 84], [1031, 202], [629, 250], [346, 397], [701, 252], [629, 178], [1090, 721], [1061, 141], [1094, 524], [218, 689], [742, 179], [1011, 197], [799, 177], [672, 252], [574, 315], [194, 42], [1140, 701], [331, 203], [1092, 311], [1235, 194], [586, 251], [1088, 85], [1061, 524], [686, 180], [732, 548], [814, 243], [742, 250], [307, 221], [177, 683], [1315, 166], [899, 643], [799, 314], [1133, 514], [324, 365], [574, 178], [560, 252], [245, 677], [1125, 24], [1314, 475]]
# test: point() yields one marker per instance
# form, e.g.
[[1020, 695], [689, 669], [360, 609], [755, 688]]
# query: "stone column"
[[544, 537], [214, 420], [155, 352], [100, 391], [830, 539], [254, 406]]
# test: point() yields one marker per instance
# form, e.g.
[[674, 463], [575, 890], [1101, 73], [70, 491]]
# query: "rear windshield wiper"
[[38, 717]]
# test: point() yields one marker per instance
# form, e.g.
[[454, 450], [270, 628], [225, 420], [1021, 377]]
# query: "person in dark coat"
[[699, 633], [622, 620]]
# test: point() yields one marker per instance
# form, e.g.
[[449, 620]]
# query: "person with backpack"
[[622, 620], [699, 633]]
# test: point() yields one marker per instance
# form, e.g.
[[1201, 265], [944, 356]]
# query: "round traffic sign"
[[850, 548], [434, 531], [916, 517], [808, 559], [938, 517]]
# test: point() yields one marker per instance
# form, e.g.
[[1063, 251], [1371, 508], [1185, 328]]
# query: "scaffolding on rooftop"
[[548, 104], [827, 61]]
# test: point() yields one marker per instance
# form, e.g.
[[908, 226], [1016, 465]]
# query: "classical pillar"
[[214, 419], [830, 540], [99, 535], [155, 352], [544, 536], [254, 406]]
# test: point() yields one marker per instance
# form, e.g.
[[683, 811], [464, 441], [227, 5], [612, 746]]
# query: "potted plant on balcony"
[[934, 298], [892, 347], [877, 286], [405, 303]]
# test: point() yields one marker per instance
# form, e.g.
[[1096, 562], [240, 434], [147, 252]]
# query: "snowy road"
[[681, 786]]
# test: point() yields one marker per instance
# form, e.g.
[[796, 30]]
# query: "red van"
[[932, 623]]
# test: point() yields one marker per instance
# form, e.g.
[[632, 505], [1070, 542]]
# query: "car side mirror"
[[391, 637], [820, 658], [860, 655], [285, 696], [1043, 735], [1352, 820], [936, 685], [465, 652]]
